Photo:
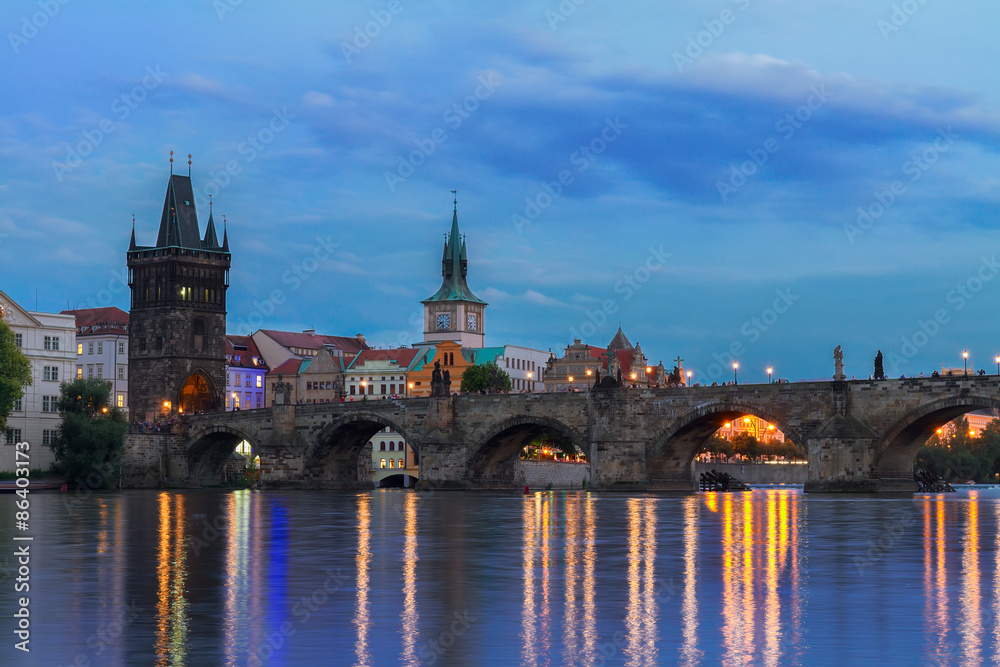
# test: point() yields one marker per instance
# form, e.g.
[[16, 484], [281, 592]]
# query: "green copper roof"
[[454, 267], [484, 355]]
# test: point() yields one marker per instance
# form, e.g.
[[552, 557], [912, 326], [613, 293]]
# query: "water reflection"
[[171, 575], [409, 617], [362, 615], [760, 536], [641, 618], [690, 654]]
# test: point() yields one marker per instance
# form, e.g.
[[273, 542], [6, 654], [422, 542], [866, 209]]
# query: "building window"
[[17, 405], [14, 436], [121, 347], [90, 371], [48, 436], [260, 381], [392, 463], [51, 342], [352, 389], [258, 400], [246, 401], [19, 340], [79, 372], [382, 389], [381, 446], [100, 348], [100, 370], [401, 463], [380, 465], [90, 348], [371, 390], [247, 380], [236, 382], [50, 373], [121, 400], [121, 372], [79, 348], [50, 403]]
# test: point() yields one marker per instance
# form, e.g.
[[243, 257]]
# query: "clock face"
[[443, 320], [472, 321]]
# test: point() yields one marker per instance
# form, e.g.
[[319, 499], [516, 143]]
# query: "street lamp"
[[965, 357], [689, 378], [736, 366], [364, 391], [998, 364], [769, 369]]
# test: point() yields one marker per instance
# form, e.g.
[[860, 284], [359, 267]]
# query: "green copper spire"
[[454, 268]]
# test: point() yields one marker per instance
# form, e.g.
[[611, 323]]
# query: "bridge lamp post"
[[530, 388], [689, 378], [410, 387], [965, 357], [736, 366], [364, 391], [769, 370], [998, 364]]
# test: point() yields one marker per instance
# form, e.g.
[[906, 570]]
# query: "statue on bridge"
[[282, 392], [440, 382], [838, 364], [879, 370]]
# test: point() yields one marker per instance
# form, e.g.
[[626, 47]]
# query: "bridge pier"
[[841, 457]]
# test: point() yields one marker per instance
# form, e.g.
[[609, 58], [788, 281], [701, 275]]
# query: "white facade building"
[[102, 349], [49, 342]]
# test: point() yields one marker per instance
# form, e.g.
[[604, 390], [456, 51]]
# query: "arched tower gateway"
[[177, 326], [454, 313]]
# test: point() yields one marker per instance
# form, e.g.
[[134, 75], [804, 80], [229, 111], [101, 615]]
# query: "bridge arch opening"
[[897, 450], [340, 457], [221, 456], [672, 454], [495, 458], [198, 394]]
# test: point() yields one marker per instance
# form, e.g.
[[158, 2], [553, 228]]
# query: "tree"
[[91, 437], [485, 379], [15, 372]]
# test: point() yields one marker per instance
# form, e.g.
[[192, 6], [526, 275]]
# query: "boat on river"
[[10, 485]]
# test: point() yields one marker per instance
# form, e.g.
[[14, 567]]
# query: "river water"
[[393, 577]]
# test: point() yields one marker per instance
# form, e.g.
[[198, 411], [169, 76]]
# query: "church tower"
[[454, 313], [177, 325]]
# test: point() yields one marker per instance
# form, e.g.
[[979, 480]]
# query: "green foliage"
[[15, 372], [959, 457], [485, 379], [91, 437], [746, 445]]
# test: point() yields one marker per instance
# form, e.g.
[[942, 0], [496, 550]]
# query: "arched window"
[[381, 446], [392, 463], [401, 463], [382, 464]]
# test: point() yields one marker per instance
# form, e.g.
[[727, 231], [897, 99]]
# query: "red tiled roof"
[[290, 367], [246, 356], [624, 357], [97, 321], [403, 356], [347, 344]]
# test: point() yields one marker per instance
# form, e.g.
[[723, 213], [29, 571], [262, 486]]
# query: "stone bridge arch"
[[495, 452], [334, 458], [210, 447], [896, 450], [675, 448]]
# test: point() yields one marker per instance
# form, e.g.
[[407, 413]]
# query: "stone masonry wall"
[[539, 474]]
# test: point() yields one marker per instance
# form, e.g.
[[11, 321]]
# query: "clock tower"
[[454, 313]]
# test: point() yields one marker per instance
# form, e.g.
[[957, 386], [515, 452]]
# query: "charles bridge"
[[859, 435]]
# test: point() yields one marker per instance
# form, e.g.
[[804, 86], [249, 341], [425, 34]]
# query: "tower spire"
[[189, 165], [455, 200]]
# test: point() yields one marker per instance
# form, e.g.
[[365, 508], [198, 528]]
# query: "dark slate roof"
[[179, 220], [620, 341], [454, 267]]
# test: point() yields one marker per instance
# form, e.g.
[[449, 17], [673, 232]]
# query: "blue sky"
[[714, 157]]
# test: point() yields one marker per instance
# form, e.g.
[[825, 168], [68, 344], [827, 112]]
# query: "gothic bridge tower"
[[177, 326]]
